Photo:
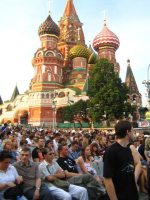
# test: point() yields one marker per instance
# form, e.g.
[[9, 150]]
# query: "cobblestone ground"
[[143, 196]]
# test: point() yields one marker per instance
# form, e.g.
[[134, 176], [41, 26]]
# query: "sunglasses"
[[50, 154]]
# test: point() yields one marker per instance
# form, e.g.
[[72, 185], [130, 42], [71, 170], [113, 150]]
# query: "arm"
[[146, 155], [110, 189], [80, 162], [71, 174], [37, 190], [6, 185], [137, 162]]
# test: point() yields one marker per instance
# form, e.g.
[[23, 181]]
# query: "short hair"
[[74, 142], [121, 128], [45, 151], [26, 149], [4, 155], [60, 146]]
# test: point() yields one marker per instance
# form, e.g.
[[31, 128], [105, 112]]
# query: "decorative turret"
[[106, 38], [79, 51], [70, 31], [49, 27], [47, 61], [49, 33], [106, 43], [134, 94]]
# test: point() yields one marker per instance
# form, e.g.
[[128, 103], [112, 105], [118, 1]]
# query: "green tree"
[[107, 92], [76, 111]]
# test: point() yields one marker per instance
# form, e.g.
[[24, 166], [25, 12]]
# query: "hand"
[[19, 179], [36, 195], [11, 184]]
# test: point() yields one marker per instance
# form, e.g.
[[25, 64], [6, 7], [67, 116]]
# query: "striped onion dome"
[[105, 38], [79, 51], [49, 27]]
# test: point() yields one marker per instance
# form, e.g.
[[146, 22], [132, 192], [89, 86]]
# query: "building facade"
[[61, 69]]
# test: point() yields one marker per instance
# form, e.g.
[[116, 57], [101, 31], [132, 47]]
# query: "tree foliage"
[[108, 94], [76, 111]]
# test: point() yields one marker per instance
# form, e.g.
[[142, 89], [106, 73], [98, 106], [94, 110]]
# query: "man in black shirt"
[[94, 188], [119, 177]]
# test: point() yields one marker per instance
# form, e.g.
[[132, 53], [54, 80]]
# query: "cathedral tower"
[[134, 95], [106, 43], [70, 32], [47, 61]]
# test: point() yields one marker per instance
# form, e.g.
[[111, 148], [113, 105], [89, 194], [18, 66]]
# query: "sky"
[[19, 40]]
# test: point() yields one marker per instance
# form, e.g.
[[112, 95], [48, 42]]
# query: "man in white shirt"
[[50, 171]]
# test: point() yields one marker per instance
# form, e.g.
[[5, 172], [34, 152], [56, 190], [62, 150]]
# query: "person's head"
[[57, 136], [86, 153], [49, 144], [25, 154], [5, 159], [41, 142], [23, 143], [48, 155], [94, 148], [7, 145], [74, 146], [63, 150], [122, 129]]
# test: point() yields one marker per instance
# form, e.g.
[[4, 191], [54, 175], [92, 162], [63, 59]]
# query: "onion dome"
[[49, 27], [93, 58], [90, 50], [79, 51], [106, 38]]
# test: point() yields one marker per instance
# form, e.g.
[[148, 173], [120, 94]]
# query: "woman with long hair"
[[97, 160], [84, 163]]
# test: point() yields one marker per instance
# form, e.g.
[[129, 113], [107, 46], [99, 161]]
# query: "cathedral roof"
[[130, 80], [70, 11], [15, 93], [79, 51], [1, 101], [106, 38], [49, 27]]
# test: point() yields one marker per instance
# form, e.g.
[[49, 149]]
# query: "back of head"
[[121, 128], [5, 155]]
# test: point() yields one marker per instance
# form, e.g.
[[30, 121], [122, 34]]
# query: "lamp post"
[[54, 109], [147, 85], [54, 114]]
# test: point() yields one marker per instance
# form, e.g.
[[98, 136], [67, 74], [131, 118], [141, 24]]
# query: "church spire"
[[1, 101], [69, 31], [70, 10], [130, 80], [15, 93]]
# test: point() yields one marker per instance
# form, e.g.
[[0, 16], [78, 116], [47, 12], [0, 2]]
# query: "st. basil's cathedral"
[[61, 71]]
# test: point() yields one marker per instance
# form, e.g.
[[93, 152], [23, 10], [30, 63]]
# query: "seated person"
[[8, 174], [94, 187], [74, 151], [84, 163], [33, 189], [50, 171], [97, 160]]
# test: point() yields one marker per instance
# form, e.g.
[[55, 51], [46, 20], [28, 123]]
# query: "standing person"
[[33, 189], [147, 155], [119, 177]]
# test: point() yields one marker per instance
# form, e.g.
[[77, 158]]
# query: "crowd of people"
[[45, 164]]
